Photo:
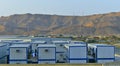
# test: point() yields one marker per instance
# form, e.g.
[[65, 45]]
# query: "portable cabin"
[[60, 39], [76, 53], [34, 45], [77, 42], [60, 45], [19, 53], [46, 39], [12, 40], [101, 53], [60, 51], [46, 54], [3, 53]]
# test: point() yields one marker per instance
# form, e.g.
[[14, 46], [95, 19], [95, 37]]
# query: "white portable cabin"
[[7, 44], [6, 47], [102, 53], [60, 51], [76, 53], [60, 39], [6, 40], [22, 42], [77, 42], [12, 40], [34, 45], [46, 39], [46, 54], [18, 53], [3, 53], [60, 45]]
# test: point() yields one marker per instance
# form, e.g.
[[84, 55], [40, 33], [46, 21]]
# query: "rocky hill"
[[33, 24]]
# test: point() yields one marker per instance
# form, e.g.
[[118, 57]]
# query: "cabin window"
[[17, 51], [61, 55], [46, 50], [61, 45]]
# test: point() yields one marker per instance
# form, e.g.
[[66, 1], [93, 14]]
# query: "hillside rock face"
[[33, 24]]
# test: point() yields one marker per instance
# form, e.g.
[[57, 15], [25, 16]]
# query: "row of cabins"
[[56, 51]]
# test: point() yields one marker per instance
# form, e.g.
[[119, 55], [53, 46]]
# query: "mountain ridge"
[[33, 24]]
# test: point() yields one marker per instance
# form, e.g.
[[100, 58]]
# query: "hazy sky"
[[59, 7]]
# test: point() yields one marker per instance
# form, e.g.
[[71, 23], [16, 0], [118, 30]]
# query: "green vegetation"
[[112, 39]]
